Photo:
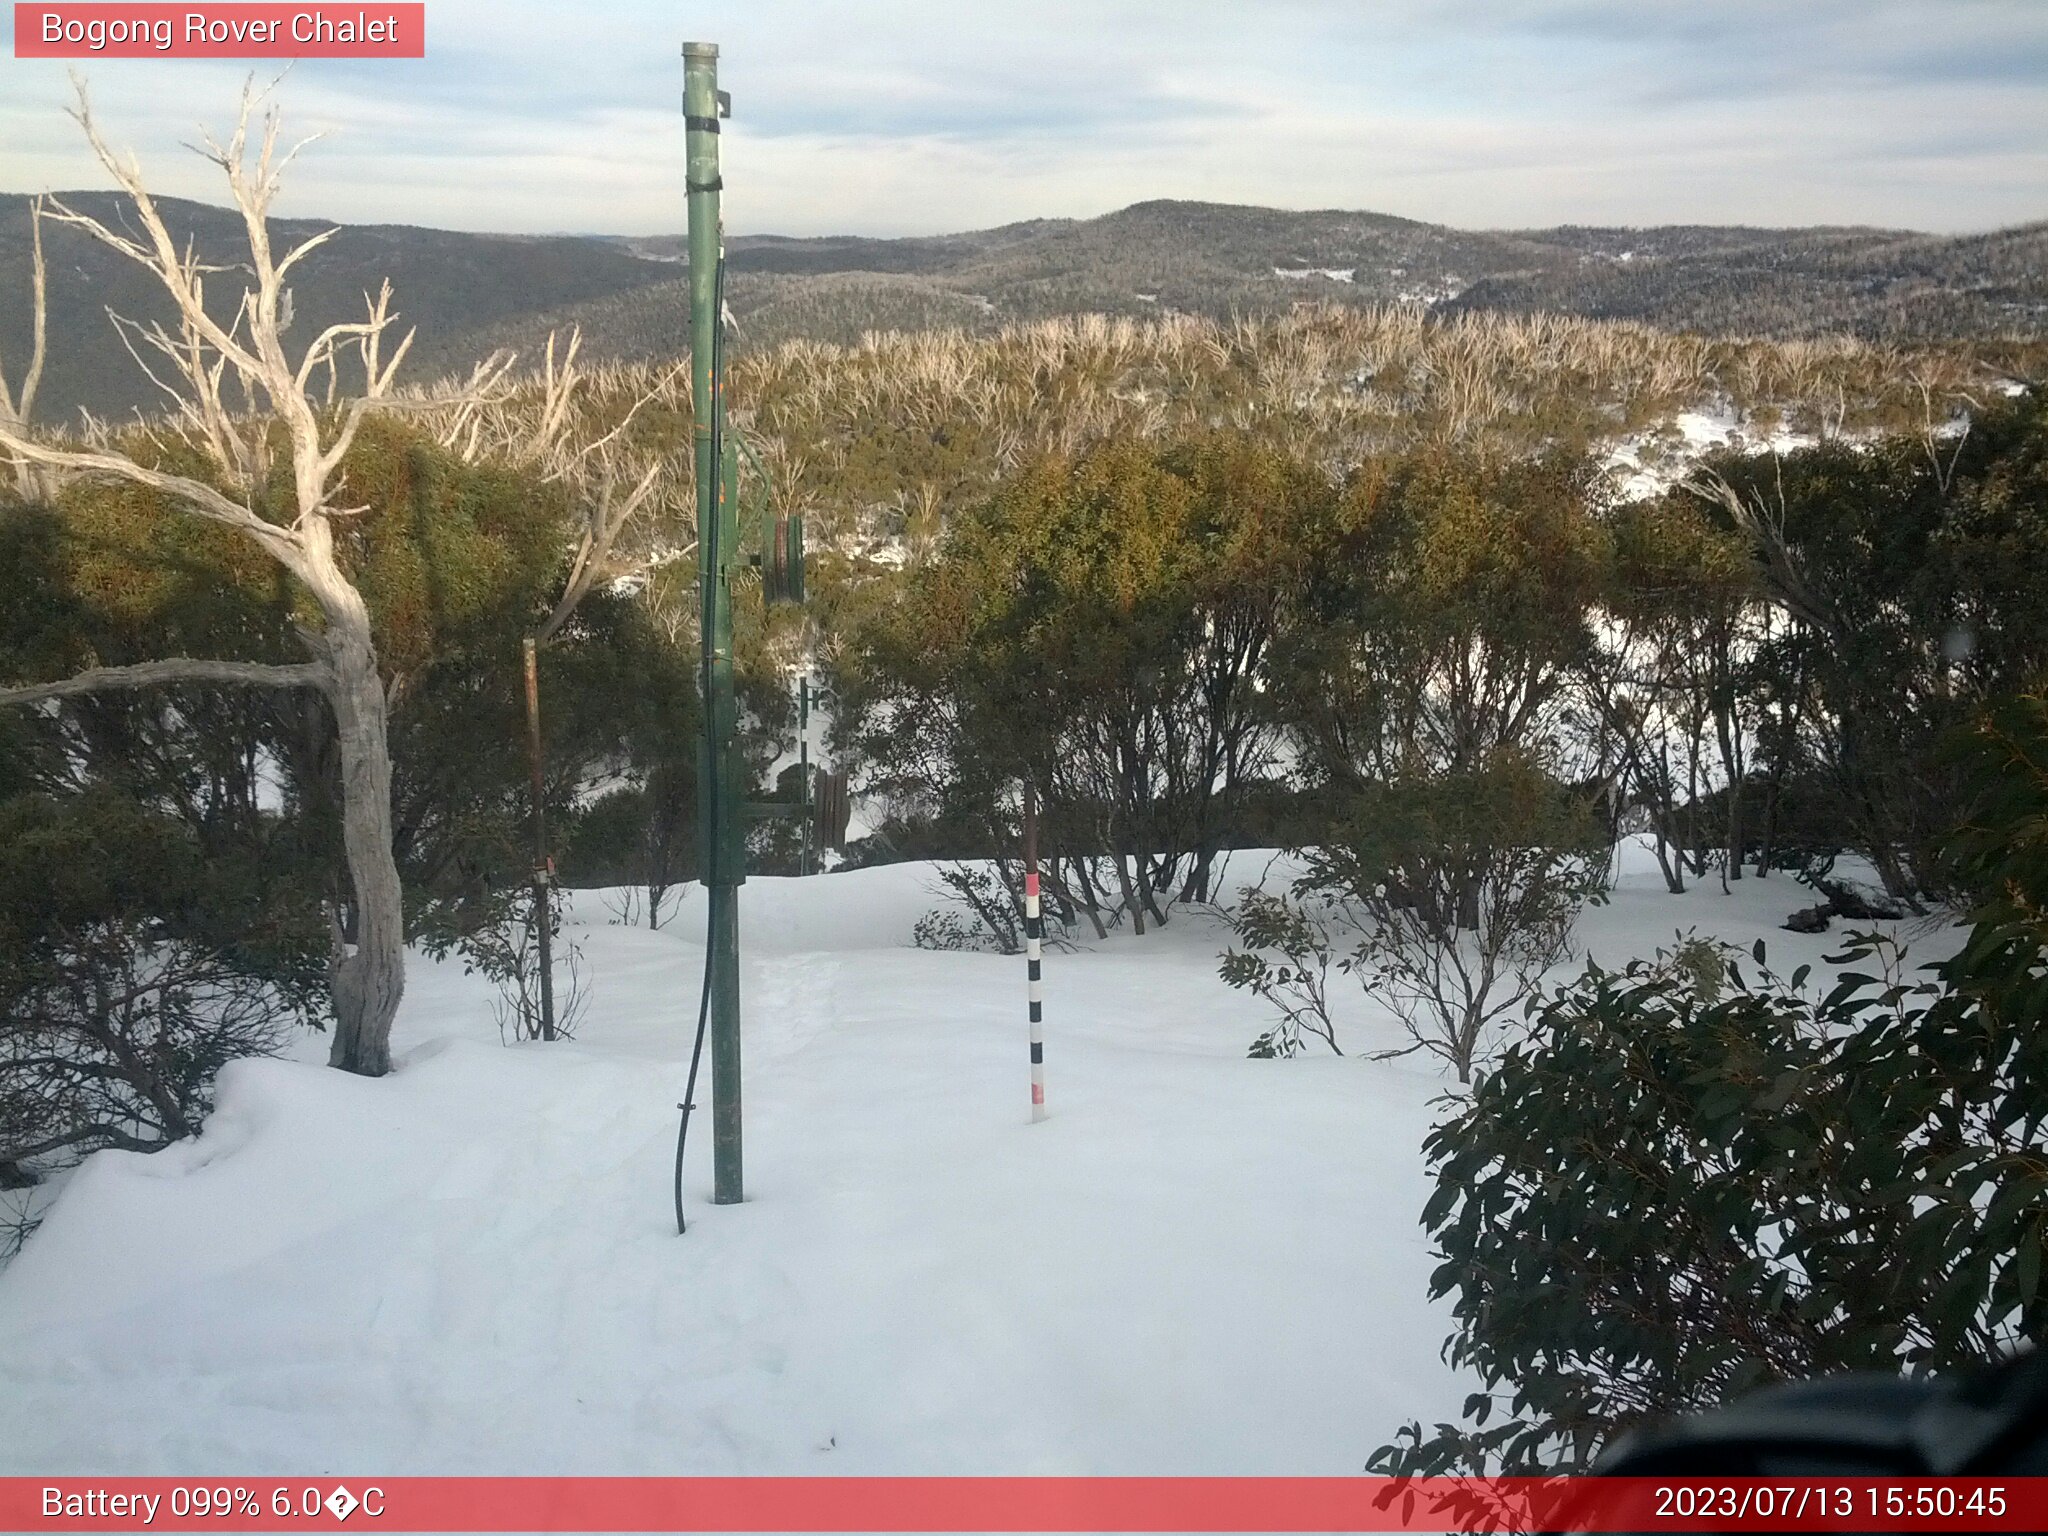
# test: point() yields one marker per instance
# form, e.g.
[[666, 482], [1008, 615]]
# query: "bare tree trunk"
[[1131, 903], [1468, 906], [1734, 761], [1148, 892], [369, 981], [31, 483], [1089, 902], [247, 358], [1670, 863], [1731, 758], [1767, 829]]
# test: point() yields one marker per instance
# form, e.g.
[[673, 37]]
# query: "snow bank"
[[1199, 1264]]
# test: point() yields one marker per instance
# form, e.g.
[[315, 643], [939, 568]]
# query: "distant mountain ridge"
[[452, 286], [470, 293]]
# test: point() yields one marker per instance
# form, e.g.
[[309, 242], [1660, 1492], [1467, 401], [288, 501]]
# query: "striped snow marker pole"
[[1034, 932]]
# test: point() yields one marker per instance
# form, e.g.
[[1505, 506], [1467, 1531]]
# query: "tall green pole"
[[722, 849]]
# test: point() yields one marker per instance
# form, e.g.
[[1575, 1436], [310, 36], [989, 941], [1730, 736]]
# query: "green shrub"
[[133, 966], [1671, 1190]]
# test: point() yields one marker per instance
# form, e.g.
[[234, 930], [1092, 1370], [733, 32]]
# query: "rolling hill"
[[469, 293]]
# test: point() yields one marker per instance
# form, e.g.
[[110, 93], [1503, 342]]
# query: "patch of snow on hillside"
[[892, 552], [1648, 463], [1445, 288], [1334, 274]]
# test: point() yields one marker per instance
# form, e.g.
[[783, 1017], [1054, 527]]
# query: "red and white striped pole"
[[1034, 932]]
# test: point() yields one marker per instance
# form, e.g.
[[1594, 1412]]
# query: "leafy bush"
[[1457, 889], [1911, 569], [637, 838], [132, 968], [941, 929], [1285, 962], [498, 937], [1101, 624], [986, 914], [1670, 1191]]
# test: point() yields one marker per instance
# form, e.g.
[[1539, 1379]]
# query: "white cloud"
[[921, 117]]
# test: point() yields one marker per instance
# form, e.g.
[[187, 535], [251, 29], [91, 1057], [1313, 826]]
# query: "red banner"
[[115, 31], [1062, 1504]]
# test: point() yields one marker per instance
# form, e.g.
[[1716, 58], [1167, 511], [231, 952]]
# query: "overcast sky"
[[921, 116]]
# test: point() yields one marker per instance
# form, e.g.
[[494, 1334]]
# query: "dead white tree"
[[1778, 564], [16, 406], [551, 426], [609, 484], [195, 360]]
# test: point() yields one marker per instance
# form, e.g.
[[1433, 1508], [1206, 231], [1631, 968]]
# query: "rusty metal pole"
[[543, 866], [803, 770]]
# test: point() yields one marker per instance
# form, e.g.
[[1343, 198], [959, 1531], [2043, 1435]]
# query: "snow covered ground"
[[1649, 463], [1199, 1264]]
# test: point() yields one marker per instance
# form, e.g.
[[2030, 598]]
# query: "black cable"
[[690, 1090], [708, 556]]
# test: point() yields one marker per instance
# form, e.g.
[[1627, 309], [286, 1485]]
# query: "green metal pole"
[[720, 844]]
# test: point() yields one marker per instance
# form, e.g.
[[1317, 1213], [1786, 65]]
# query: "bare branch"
[[16, 408], [652, 392], [127, 331], [197, 496], [34, 376], [326, 346], [19, 407], [174, 669], [600, 532], [558, 388], [180, 274], [1779, 566]]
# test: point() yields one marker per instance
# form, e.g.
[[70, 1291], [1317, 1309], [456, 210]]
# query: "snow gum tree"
[[1423, 685], [1452, 594], [1663, 680], [1905, 576], [1103, 623], [268, 471]]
